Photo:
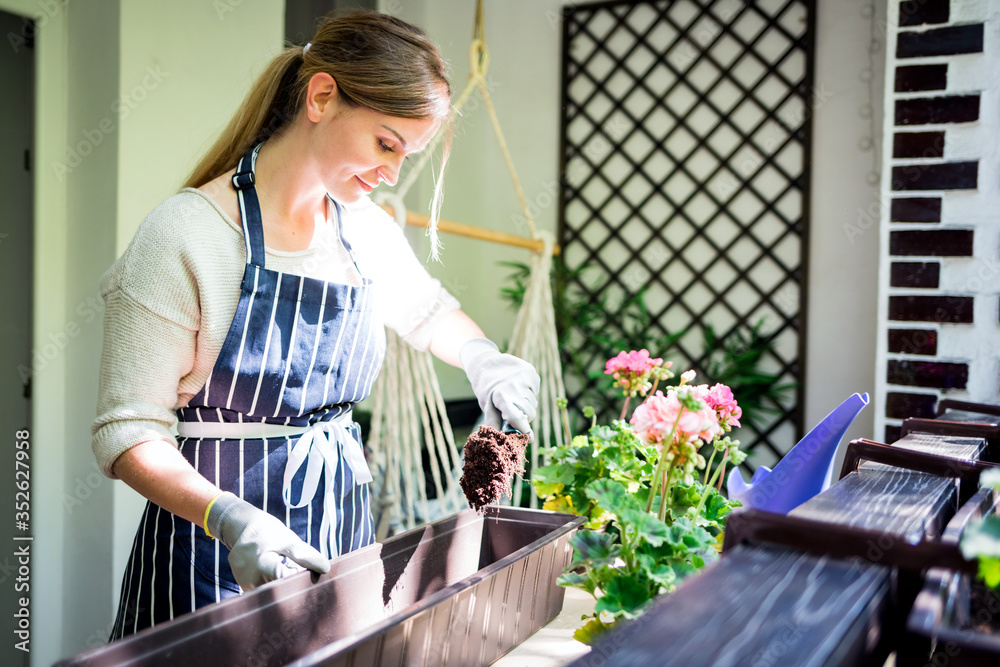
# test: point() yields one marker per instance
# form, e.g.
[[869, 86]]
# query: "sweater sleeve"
[[151, 323], [143, 358], [412, 301]]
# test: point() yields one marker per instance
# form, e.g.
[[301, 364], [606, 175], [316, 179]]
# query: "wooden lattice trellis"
[[685, 153]]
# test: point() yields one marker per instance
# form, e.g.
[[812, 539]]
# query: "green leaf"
[[645, 526], [682, 495], [683, 569], [544, 489], [562, 504], [699, 539], [989, 571], [594, 549], [611, 495], [591, 631], [982, 538], [683, 534], [659, 572], [663, 574], [555, 472], [717, 507], [575, 580], [624, 593], [598, 518], [578, 498], [603, 434]]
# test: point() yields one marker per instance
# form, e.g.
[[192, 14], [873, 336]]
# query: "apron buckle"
[[243, 180]]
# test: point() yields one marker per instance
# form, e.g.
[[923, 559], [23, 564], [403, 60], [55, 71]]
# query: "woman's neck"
[[292, 200]]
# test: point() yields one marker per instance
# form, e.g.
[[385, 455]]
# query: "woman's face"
[[360, 148]]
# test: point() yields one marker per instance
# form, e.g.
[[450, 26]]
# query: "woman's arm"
[[258, 542], [159, 472], [505, 386], [453, 330]]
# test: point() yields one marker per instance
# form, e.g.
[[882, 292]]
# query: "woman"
[[251, 306]]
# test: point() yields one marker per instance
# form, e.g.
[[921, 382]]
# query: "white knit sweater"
[[171, 297]]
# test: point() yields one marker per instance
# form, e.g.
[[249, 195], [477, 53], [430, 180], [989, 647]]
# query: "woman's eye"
[[384, 147]]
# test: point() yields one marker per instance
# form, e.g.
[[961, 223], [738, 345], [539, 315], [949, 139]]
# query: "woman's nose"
[[389, 172], [388, 175]]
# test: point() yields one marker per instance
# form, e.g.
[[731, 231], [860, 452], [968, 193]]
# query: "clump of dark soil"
[[492, 458]]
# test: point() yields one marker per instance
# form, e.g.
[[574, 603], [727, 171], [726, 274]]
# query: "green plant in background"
[[734, 360], [981, 539]]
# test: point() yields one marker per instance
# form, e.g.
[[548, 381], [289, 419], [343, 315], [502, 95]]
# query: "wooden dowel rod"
[[460, 229]]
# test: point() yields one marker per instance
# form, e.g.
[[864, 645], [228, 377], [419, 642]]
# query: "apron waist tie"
[[316, 449]]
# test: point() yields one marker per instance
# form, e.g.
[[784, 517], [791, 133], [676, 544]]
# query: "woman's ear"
[[321, 96]]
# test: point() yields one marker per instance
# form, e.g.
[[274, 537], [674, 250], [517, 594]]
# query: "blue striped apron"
[[272, 425]]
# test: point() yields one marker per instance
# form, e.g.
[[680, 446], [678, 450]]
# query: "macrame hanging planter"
[[408, 414]]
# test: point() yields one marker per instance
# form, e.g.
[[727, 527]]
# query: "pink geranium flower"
[[654, 421], [720, 398], [633, 370]]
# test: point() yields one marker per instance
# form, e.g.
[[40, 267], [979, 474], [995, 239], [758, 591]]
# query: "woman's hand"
[[258, 543], [505, 386]]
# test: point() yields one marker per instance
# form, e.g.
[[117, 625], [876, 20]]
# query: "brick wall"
[[939, 311]]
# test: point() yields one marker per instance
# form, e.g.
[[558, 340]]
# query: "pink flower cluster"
[[635, 361], [632, 370], [720, 398], [654, 420]]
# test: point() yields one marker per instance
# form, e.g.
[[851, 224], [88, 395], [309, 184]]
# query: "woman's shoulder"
[[188, 213], [185, 234]]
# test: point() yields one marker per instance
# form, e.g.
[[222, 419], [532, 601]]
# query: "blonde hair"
[[378, 62]]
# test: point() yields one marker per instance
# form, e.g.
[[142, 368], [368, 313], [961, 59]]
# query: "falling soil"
[[491, 460]]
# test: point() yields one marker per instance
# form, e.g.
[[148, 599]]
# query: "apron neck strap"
[[246, 192], [245, 184]]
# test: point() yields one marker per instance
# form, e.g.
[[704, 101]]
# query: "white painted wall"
[[49, 276], [842, 281]]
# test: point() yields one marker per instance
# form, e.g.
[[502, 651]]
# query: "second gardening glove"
[[505, 386], [259, 543]]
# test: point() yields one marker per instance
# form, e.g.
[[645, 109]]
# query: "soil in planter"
[[984, 609], [492, 458]]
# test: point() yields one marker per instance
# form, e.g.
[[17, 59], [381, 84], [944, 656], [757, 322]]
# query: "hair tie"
[[305, 49]]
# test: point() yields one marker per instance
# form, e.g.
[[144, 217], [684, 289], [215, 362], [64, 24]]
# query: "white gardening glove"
[[258, 543], [505, 386]]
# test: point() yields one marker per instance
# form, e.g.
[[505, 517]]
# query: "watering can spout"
[[804, 471]]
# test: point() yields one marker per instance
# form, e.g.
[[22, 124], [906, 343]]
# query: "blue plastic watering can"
[[804, 471]]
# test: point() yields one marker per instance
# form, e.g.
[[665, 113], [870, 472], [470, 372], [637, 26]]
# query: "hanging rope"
[[408, 386], [534, 339], [409, 416]]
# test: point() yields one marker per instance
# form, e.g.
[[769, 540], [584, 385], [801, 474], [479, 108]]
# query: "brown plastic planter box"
[[939, 622], [961, 418], [460, 591]]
